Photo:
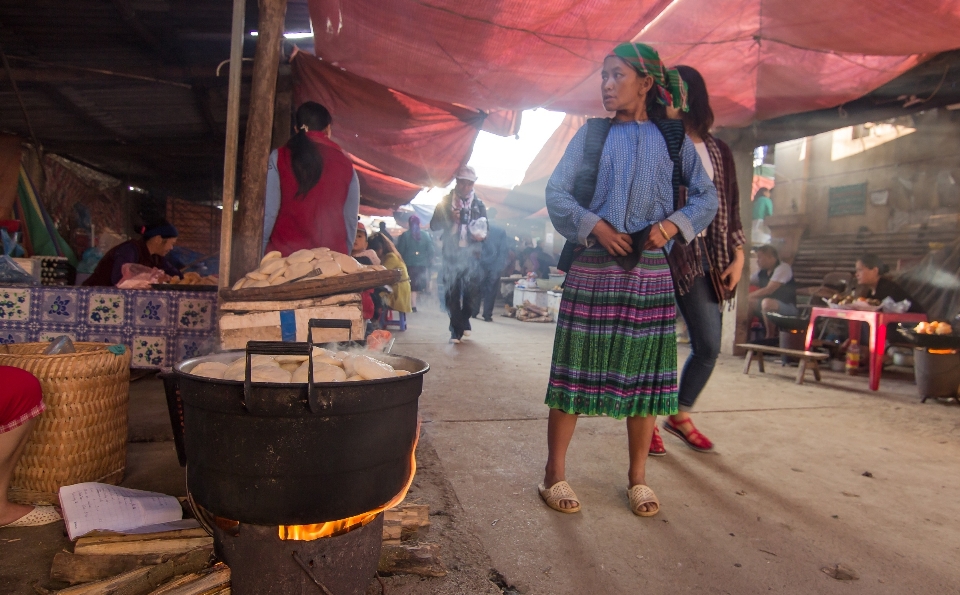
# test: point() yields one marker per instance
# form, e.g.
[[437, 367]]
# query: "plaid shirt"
[[15, 423], [724, 234]]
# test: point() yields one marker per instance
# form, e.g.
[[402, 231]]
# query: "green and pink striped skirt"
[[615, 351]]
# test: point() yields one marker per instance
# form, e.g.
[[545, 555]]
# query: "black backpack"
[[585, 182]]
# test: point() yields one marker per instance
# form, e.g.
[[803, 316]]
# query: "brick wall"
[[199, 225]]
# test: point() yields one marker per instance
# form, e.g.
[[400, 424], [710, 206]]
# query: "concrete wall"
[[916, 160]]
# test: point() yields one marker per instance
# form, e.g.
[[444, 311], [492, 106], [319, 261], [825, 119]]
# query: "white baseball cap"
[[467, 173]]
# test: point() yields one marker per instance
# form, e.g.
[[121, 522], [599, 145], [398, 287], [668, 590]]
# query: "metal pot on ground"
[[270, 454]]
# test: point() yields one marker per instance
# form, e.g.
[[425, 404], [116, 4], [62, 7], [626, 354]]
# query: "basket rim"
[[98, 349]]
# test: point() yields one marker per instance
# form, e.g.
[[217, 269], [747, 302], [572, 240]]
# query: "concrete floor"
[[783, 496]]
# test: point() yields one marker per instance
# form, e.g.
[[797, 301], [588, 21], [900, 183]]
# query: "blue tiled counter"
[[161, 328]]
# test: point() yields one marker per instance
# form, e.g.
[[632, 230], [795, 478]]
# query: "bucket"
[[938, 374]]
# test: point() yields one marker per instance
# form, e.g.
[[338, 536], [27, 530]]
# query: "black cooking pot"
[[278, 454]]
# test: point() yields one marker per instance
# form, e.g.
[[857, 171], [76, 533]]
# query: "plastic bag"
[[478, 229], [137, 276], [11, 243], [891, 307], [91, 257], [13, 274], [60, 345]]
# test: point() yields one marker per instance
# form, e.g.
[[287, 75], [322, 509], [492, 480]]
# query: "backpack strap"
[[673, 133], [585, 182]]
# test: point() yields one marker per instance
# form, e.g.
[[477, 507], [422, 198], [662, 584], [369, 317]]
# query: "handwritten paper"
[[100, 507]]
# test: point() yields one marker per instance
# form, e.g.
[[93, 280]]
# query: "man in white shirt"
[[777, 291]]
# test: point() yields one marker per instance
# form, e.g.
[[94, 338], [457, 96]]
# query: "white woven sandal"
[[640, 495], [40, 515], [557, 492]]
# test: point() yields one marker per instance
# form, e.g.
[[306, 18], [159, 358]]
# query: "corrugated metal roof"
[[158, 121]]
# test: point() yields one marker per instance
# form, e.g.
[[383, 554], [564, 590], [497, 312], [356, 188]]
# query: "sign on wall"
[[848, 200]]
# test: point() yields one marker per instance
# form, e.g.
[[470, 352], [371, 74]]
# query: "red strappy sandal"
[[656, 444], [694, 438]]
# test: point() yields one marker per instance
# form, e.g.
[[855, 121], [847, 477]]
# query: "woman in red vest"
[[313, 196]]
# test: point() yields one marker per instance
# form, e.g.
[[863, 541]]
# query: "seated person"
[[21, 402], [776, 291], [399, 297], [151, 250], [361, 247], [871, 282]]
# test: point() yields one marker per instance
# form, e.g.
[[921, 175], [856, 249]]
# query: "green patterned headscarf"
[[671, 90]]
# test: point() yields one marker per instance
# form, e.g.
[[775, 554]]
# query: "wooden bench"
[[807, 359]]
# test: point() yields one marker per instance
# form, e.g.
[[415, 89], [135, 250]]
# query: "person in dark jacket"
[[416, 248], [493, 259], [454, 217], [150, 250]]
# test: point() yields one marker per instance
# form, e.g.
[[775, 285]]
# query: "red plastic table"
[[878, 322]]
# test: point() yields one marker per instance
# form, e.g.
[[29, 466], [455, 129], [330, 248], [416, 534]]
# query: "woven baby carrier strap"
[[585, 182]]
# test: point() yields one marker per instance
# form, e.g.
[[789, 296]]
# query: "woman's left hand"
[[656, 240], [731, 276]]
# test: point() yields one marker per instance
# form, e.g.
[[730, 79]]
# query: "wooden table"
[[878, 322]]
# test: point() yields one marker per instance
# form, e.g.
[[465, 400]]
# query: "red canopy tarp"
[[379, 190], [761, 58], [421, 141]]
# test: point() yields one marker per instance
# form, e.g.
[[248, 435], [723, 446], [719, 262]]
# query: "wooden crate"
[[271, 320]]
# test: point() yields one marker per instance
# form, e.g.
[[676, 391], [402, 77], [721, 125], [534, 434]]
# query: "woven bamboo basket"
[[82, 434]]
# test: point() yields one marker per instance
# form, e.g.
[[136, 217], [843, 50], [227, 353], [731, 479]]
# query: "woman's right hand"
[[616, 243]]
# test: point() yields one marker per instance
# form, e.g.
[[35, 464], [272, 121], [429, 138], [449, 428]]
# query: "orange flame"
[[334, 528]]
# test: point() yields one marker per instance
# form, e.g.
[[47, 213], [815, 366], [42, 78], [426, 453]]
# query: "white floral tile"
[[148, 351], [14, 305], [59, 307], [105, 308], [150, 311], [194, 314], [8, 337]]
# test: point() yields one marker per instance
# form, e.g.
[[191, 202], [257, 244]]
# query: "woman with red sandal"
[[706, 272]]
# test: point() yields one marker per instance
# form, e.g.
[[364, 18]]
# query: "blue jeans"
[[700, 309]]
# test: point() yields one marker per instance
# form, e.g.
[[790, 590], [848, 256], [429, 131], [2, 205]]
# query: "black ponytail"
[[305, 158]]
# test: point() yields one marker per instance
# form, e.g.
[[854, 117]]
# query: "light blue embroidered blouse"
[[634, 185]]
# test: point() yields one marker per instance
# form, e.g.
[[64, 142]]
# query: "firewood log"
[[171, 542], [411, 559], [534, 308], [208, 582], [141, 581], [74, 569]]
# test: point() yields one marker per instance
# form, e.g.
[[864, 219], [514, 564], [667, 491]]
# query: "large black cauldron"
[[272, 454]]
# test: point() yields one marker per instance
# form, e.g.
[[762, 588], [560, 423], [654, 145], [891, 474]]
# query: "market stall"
[[160, 327]]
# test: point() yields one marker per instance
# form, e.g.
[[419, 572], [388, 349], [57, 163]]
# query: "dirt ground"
[[26, 554], [803, 478]]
